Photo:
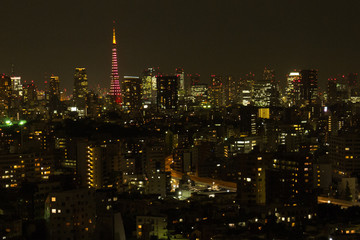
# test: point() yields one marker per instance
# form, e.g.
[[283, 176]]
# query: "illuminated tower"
[[115, 90]]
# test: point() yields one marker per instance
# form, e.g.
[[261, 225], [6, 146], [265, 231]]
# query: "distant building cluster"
[[166, 156]]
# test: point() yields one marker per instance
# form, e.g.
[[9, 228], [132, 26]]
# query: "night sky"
[[207, 37]]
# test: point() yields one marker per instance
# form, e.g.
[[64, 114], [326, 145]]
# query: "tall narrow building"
[[293, 88], [80, 90], [132, 93], [54, 94], [308, 86], [115, 90], [167, 92], [148, 89]]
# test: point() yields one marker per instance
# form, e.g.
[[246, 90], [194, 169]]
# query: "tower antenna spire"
[[114, 38], [115, 89]]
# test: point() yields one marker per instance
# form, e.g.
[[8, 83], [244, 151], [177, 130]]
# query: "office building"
[[246, 89], [179, 72], [216, 89], [338, 89], [262, 93], [16, 86], [149, 88], [5, 94], [131, 93], [293, 88], [167, 92], [80, 90], [54, 95], [344, 153], [71, 214], [308, 86]]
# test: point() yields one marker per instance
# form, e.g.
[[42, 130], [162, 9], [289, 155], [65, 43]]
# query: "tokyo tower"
[[115, 90]]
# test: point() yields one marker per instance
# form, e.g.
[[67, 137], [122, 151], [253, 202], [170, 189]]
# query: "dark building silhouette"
[[167, 92]]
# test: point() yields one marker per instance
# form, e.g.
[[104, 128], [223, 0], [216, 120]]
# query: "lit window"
[[53, 210], [53, 199]]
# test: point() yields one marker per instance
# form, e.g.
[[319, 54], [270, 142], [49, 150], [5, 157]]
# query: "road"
[[231, 186], [342, 203]]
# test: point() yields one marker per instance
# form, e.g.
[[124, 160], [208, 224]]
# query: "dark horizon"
[[206, 37]]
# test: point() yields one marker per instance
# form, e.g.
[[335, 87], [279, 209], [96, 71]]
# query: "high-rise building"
[[344, 152], [54, 94], [149, 86], [16, 86], [269, 76], [80, 90], [308, 86], [293, 89], [338, 89], [96, 162], [181, 78], [246, 88], [230, 87], [71, 214], [354, 84], [132, 93], [199, 93], [115, 90], [54, 86], [262, 93], [234, 89], [216, 91], [5, 94], [167, 92]]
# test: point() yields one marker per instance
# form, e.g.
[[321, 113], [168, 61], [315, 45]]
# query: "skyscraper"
[[292, 88], [149, 86], [262, 93], [338, 89], [54, 94], [80, 90], [181, 85], [308, 86], [246, 88], [167, 92], [5, 94], [216, 91], [54, 86], [132, 93], [115, 90], [16, 86], [269, 76]]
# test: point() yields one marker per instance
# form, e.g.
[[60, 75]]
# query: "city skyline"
[[204, 37]]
